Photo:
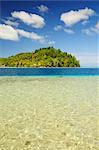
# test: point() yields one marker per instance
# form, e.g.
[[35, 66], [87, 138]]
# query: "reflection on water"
[[49, 113]]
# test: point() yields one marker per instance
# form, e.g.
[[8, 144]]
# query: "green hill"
[[43, 57]]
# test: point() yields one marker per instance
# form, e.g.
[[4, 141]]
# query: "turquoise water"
[[49, 71]]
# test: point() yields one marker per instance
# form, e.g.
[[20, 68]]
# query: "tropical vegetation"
[[43, 57]]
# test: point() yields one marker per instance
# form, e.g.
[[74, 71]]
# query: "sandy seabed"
[[59, 113]]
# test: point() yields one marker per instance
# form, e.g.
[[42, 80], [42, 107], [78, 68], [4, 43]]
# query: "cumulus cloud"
[[11, 23], [34, 20], [58, 28], [42, 8], [91, 30], [69, 31], [8, 33], [30, 35], [72, 17]]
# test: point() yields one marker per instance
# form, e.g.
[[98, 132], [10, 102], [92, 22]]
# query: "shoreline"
[[51, 76], [52, 67]]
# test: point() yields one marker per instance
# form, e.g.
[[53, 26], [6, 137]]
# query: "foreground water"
[[49, 113]]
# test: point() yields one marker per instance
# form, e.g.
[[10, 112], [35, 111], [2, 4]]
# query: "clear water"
[[49, 113]]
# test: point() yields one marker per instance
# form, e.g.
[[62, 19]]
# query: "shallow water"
[[49, 113]]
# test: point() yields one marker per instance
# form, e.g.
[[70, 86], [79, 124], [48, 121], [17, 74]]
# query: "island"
[[43, 57]]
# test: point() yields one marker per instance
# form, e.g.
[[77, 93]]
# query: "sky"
[[72, 26]]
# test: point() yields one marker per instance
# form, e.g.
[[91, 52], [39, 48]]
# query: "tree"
[[43, 57]]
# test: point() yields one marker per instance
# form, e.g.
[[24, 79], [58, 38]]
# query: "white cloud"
[[8, 33], [97, 25], [34, 20], [58, 28], [69, 31], [42, 8], [11, 23], [72, 17], [85, 22], [88, 60], [23, 33], [92, 30], [10, 18], [95, 28], [87, 31], [31, 35], [51, 42]]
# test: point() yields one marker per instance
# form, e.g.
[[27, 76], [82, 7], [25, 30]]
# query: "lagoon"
[[49, 113]]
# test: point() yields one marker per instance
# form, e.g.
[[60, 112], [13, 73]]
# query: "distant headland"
[[43, 57]]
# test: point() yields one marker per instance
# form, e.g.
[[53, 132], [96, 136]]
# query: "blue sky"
[[72, 26]]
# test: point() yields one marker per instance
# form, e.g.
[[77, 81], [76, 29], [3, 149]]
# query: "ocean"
[[57, 112], [49, 71]]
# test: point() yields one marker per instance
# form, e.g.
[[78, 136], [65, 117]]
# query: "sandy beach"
[[57, 113]]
